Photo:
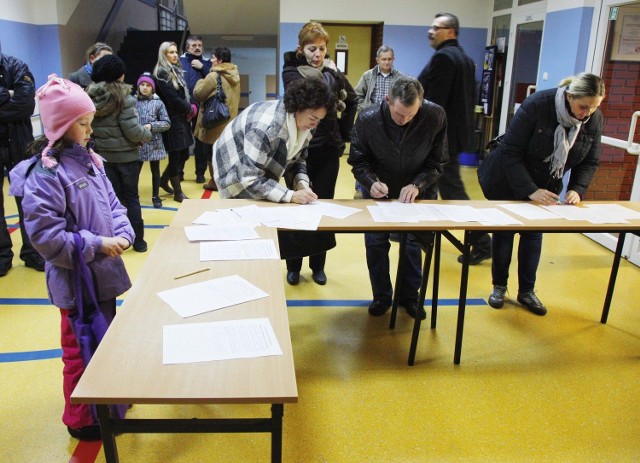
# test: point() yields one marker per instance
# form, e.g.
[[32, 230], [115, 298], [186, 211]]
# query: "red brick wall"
[[614, 177]]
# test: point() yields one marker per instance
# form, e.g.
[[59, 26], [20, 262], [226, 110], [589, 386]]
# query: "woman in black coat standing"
[[327, 145], [172, 89], [554, 131]]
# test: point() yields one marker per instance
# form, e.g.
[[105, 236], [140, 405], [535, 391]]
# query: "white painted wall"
[[471, 13]]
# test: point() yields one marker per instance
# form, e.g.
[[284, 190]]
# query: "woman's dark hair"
[[310, 93], [222, 54]]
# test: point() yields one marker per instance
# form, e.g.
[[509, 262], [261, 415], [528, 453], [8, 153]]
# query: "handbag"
[[88, 322], [215, 109]]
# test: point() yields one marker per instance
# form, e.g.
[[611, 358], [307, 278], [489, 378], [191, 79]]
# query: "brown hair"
[[311, 32]]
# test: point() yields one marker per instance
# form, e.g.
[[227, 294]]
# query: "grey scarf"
[[562, 142]]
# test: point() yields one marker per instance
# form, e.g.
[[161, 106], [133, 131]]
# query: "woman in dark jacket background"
[[554, 131], [327, 145], [172, 90]]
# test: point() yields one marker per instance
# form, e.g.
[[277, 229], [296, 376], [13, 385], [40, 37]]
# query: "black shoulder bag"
[[215, 110]]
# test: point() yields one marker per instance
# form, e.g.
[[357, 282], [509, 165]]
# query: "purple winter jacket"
[[74, 196]]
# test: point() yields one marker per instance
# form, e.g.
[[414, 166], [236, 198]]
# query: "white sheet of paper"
[[592, 215], [333, 210], [220, 233], [224, 218], [215, 294], [238, 250], [529, 211], [617, 210], [225, 340], [381, 214], [293, 218], [494, 216], [459, 214]]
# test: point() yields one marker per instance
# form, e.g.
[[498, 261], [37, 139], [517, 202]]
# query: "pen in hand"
[[191, 273]]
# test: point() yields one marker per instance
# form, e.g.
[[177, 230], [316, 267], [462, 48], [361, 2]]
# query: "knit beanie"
[[109, 68], [61, 103], [146, 77]]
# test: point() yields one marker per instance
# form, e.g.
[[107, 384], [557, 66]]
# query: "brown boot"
[[211, 184], [178, 195]]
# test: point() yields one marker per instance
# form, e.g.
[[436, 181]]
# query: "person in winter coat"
[[17, 92], [398, 150], [118, 136], [206, 88], [195, 67], [174, 93], [268, 139], [309, 61], [66, 191], [82, 76], [553, 131], [153, 116]]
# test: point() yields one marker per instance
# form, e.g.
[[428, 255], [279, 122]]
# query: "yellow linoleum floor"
[[559, 388]]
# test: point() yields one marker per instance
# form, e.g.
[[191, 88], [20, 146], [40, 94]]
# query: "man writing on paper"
[[398, 151]]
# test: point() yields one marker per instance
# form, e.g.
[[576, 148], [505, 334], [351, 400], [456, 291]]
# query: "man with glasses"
[[449, 80]]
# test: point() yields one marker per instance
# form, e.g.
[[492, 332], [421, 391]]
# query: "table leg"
[[108, 438], [612, 278], [436, 280], [399, 276], [277, 411], [423, 291], [462, 301]]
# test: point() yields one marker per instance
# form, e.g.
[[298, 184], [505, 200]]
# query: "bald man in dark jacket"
[[449, 80]]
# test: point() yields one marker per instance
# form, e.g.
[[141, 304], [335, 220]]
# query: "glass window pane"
[[502, 4], [526, 2], [500, 28]]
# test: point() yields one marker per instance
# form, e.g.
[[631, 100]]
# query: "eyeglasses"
[[437, 28]]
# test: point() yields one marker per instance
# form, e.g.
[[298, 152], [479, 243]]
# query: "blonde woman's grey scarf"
[[562, 142]]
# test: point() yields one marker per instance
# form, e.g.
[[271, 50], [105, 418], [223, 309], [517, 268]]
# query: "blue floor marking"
[[32, 355], [57, 353]]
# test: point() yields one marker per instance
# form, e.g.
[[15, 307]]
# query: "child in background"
[[66, 191], [152, 115], [118, 136]]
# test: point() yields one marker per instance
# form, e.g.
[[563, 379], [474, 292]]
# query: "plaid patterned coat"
[[250, 156]]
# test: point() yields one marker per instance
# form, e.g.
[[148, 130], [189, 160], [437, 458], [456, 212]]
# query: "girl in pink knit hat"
[[71, 210]]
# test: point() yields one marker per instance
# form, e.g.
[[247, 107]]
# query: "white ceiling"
[[233, 17]]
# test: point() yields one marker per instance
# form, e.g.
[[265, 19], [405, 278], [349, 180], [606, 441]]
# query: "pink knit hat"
[[146, 77], [61, 104]]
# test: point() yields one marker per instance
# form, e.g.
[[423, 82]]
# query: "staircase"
[[139, 50]]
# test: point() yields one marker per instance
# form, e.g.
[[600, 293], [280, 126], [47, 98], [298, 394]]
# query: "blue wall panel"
[[564, 45], [36, 45]]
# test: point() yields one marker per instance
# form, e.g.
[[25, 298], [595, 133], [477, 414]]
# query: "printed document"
[[225, 340]]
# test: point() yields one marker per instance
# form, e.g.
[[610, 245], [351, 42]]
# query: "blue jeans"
[[529, 249]]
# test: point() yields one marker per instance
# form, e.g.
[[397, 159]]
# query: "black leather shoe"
[[157, 202], [531, 302], [34, 261], [140, 246], [477, 255], [377, 308], [293, 278], [414, 311], [4, 269], [496, 298], [319, 277], [86, 433], [200, 179]]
